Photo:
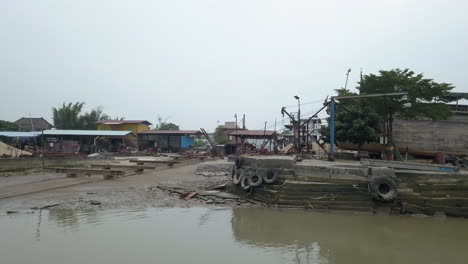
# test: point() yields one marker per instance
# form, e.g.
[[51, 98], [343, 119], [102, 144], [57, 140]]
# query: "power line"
[[306, 103]]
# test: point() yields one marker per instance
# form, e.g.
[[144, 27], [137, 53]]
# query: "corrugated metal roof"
[[170, 132], [105, 133], [118, 122], [257, 133], [19, 134]]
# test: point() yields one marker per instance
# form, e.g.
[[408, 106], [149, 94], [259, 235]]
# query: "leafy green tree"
[[88, 120], [69, 116], [365, 117], [168, 126], [8, 126], [355, 121], [163, 124], [425, 95], [218, 136]]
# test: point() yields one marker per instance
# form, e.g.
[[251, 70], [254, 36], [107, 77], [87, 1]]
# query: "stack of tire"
[[250, 178]]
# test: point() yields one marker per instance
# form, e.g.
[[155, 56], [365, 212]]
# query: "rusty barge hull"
[[344, 186]]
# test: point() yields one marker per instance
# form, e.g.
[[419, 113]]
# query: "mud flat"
[[325, 185], [160, 187]]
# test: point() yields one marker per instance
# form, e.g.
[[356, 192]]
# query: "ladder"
[[213, 145]]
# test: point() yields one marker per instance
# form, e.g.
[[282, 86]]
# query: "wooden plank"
[[124, 166], [408, 165], [168, 162], [89, 171]]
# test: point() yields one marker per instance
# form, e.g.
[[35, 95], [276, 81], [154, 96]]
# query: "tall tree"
[[163, 124], [424, 95], [8, 126], [89, 119], [219, 137], [69, 116], [355, 121], [365, 119]]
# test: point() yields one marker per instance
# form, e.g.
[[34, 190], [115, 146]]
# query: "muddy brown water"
[[253, 235]]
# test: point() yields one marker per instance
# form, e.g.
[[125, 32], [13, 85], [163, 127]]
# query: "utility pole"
[[236, 129], [275, 137], [360, 83], [298, 126], [243, 122], [347, 76], [33, 130], [331, 157]]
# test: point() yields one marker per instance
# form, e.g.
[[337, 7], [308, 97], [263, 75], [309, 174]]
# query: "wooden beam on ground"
[[73, 172], [137, 168], [124, 166], [141, 162], [408, 165]]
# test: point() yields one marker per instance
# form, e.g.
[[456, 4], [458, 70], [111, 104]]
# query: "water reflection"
[[348, 238], [255, 235]]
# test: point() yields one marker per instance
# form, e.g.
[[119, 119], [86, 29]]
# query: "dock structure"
[[351, 186]]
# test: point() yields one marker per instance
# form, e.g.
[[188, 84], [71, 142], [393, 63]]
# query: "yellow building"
[[136, 126]]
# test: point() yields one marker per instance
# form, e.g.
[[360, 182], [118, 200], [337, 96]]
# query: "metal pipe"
[[368, 95]]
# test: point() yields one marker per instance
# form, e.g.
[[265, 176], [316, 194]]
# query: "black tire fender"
[[268, 175], [233, 171], [239, 161], [254, 180], [383, 188], [238, 175], [244, 182]]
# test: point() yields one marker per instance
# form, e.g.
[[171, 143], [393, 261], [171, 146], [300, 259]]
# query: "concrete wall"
[[425, 138], [448, 136]]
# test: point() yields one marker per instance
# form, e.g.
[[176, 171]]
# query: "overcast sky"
[[199, 62]]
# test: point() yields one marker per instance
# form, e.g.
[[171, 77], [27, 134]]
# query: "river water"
[[253, 235]]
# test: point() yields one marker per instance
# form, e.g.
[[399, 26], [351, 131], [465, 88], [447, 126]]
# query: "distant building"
[[227, 129], [29, 124], [312, 126], [168, 140], [136, 126]]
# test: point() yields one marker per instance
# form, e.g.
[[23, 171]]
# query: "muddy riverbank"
[[20, 192]]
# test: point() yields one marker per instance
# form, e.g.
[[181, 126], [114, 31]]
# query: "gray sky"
[[199, 62]]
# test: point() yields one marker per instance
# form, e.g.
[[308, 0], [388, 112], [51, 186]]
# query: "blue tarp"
[[186, 142]]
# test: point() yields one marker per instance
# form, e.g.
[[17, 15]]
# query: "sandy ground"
[[12, 151], [45, 189]]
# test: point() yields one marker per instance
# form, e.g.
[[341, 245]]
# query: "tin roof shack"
[[168, 140], [29, 124], [251, 141], [74, 142], [135, 126]]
